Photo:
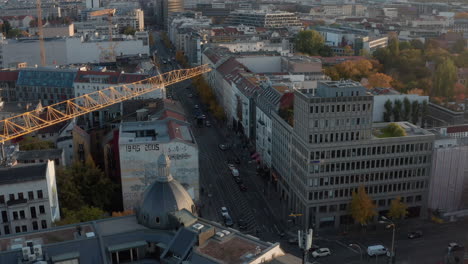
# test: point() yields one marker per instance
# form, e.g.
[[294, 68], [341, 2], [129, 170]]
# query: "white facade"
[[380, 100], [264, 136], [139, 155], [255, 46], [239, 99], [69, 51], [29, 202]]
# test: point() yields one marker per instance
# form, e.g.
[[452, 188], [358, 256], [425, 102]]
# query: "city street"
[[260, 208]]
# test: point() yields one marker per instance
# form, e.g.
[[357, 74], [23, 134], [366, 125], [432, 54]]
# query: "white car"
[[321, 252], [224, 211]]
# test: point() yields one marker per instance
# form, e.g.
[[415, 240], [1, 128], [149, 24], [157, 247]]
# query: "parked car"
[[293, 240], [231, 166], [376, 250], [313, 248], [414, 234], [235, 172], [224, 211], [453, 246], [224, 146], [208, 124], [242, 187], [238, 180], [242, 224], [190, 95], [321, 252], [196, 106], [228, 221], [237, 161]]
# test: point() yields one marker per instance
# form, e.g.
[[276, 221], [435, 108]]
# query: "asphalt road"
[[254, 208]]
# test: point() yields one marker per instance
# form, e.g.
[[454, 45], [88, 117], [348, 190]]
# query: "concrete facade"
[[335, 148], [28, 202]]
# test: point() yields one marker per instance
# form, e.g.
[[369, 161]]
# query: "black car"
[[224, 146], [242, 224], [242, 187], [228, 221], [238, 180], [237, 161], [415, 234]]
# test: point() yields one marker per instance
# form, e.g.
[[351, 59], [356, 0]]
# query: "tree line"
[[413, 112]]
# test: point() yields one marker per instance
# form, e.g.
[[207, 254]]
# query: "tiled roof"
[[84, 76], [131, 77], [47, 77], [22, 173], [172, 114], [8, 76], [457, 129]]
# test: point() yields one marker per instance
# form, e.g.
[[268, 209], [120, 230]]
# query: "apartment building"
[[264, 19], [335, 148], [28, 198]]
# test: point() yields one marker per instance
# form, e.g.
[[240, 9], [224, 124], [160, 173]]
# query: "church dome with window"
[[163, 197]]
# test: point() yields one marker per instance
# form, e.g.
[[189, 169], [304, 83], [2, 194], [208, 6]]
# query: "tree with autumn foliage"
[[460, 92], [354, 70], [398, 209], [362, 208], [122, 213], [379, 80]]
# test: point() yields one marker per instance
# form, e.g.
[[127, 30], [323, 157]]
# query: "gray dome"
[[162, 197]]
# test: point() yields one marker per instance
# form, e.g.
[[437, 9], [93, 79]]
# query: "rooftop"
[[380, 131], [233, 250], [49, 77], [44, 154], [22, 173]]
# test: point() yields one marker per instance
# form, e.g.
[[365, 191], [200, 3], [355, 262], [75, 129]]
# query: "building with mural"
[[140, 145]]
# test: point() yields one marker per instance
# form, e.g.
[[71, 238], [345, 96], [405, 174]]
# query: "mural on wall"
[[139, 168]]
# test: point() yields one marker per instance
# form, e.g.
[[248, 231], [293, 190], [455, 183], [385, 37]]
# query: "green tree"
[[394, 46], [129, 31], [309, 42], [83, 214], [417, 44], [415, 112], [362, 208], [326, 51], [398, 209], [462, 60], [388, 111], [393, 130], [33, 143], [91, 186], [6, 27], [405, 45], [423, 113], [459, 46], [445, 77], [397, 109], [406, 109]]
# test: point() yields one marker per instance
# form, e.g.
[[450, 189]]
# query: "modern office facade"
[[167, 8], [264, 19], [335, 148]]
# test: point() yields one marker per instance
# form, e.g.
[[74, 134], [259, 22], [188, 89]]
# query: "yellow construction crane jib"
[[109, 12], [28, 122]]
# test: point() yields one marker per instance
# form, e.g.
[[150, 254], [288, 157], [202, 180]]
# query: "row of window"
[[370, 151], [334, 137], [365, 178], [20, 196], [373, 189], [24, 228], [332, 108], [381, 203], [369, 164], [326, 123]]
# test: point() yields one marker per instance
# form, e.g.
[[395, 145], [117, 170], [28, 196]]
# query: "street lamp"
[[358, 246], [390, 223]]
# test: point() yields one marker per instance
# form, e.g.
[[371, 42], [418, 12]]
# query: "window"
[[6, 229], [17, 229], [12, 196], [41, 209], [2, 199], [15, 215], [20, 196], [32, 210], [43, 224], [22, 214], [24, 228], [418, 198], [39, 194], [34, 225], [31, 195]]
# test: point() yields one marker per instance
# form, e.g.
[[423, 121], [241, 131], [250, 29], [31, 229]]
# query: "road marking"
[[346, 246]]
